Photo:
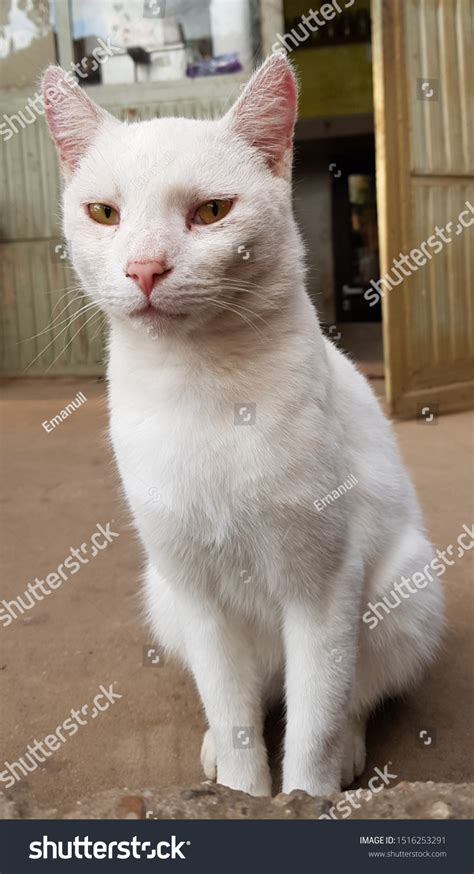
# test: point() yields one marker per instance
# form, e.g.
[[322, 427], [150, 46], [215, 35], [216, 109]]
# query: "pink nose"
[[145, 273]]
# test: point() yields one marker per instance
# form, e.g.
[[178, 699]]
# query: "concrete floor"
[[56, 487]]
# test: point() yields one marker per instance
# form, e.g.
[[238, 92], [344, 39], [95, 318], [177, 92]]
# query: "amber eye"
[[212, 211], [103, 213]]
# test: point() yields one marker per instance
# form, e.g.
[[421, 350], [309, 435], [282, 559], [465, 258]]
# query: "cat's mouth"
[[151, 312]]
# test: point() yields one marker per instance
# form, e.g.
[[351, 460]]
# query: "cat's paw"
[[244, 769], [353, 761], [258, 784], [208, 756]]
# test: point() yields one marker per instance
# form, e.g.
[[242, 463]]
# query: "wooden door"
[[423, 102]]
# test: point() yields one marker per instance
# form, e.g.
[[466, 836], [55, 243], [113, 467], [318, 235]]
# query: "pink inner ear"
[[56, 128], [72, 117], [265, 114]]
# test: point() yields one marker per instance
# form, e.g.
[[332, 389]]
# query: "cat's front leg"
[[221, 657], [320, 651]]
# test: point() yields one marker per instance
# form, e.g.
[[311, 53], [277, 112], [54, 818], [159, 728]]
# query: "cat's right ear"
[[265, 114], [73, 118]]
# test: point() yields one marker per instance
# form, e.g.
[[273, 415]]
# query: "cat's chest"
[[193, 508], [179, 469], [216, 502]]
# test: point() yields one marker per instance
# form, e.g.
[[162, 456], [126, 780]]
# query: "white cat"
[[231, 416]]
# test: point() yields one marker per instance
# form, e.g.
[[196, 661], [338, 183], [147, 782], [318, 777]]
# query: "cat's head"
[[173, 221]]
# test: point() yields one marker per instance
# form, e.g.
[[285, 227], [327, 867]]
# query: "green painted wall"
[[335, 80]]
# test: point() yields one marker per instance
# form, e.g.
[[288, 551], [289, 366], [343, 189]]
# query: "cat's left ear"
[[73, 118], [265, 114]]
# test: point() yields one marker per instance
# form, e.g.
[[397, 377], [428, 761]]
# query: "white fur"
[[236, 501]]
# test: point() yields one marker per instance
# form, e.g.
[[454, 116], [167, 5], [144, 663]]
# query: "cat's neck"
[[232, 341], [207, 374]]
